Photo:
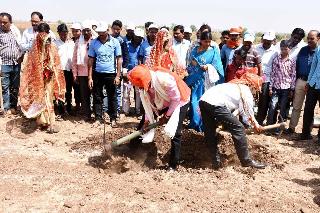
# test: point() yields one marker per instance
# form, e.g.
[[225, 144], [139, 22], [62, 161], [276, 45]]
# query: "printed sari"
[[42, 81], [165, 57]]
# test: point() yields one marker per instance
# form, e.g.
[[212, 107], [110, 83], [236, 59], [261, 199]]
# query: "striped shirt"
[[252, 59], [9, 48], [283, 74]]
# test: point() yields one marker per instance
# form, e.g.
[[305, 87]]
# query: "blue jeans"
[[10, 79], [279, 97]]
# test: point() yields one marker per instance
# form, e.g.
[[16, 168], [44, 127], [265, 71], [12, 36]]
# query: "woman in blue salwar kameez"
[[202, 59]]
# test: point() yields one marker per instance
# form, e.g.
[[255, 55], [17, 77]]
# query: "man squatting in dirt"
[[162, 93]]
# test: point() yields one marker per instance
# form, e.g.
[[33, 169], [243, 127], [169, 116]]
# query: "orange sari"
[[42, 81], [165, 58]]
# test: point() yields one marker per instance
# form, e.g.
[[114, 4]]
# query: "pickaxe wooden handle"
[[281, 126]]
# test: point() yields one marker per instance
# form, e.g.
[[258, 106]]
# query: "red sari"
[[42, 81], [165, 58]]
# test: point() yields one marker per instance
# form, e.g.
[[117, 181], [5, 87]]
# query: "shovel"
[[108, 147]]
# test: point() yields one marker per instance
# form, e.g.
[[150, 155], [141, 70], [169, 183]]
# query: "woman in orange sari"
[[163, 55], [42, 81]]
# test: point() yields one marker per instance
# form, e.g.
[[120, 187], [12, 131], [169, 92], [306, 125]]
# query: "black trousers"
[[101, 80], [70, 84], [212, 116], [76, 92], [263, 104], [84, 95], [312, 97], [176, 140]]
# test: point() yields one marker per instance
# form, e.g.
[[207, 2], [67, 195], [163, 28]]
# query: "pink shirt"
[[173, 93], [80, 69]]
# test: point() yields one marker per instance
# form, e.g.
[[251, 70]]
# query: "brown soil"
[[68, 172]]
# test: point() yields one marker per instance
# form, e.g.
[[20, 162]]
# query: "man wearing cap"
[[130, 32], [106, 52], [180, 45], [232, 44], [65, 47], [267, 53], [80, 69], [147, 44], [252, 58], [303, 65], [76, 31], [133, 49]]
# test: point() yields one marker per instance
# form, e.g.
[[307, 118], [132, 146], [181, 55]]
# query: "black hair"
[[318, 35], [225, 32], [147, 24], [117, 23], [62, 28], [179, 27], [284, 43], [299, 31], [43, 27], [165, 27], [205, 27], [8, 15], [38, 14], [206, 36]]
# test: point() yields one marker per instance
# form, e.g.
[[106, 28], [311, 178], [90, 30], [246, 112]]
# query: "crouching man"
[[162, 93], [216, 106]]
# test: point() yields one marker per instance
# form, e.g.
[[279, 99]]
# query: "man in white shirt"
[[267, 53], [29, 35], [296, 43], [216, 106], [180, 45], [65, 49]]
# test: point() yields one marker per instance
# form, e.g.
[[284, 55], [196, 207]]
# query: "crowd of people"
[[91, 70]]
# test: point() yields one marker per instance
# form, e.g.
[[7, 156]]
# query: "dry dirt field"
[[66, 172]]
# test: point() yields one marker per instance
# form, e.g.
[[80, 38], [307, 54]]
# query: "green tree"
[[193, 28]]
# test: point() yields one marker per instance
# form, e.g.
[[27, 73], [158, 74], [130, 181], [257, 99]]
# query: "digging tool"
[[281, 126], [108, 147]]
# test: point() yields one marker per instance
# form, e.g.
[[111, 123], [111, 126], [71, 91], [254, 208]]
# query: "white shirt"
[[228, 95], [267, 57], [181, 48], [295, 50], [65, 50], [16, 33], [29, 35]]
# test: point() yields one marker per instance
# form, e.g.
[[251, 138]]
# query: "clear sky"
[[257, 15]]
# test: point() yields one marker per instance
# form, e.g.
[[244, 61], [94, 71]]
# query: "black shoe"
[[289, 131], [135, 143], [253, 164], [303, 137], [216, 165]]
